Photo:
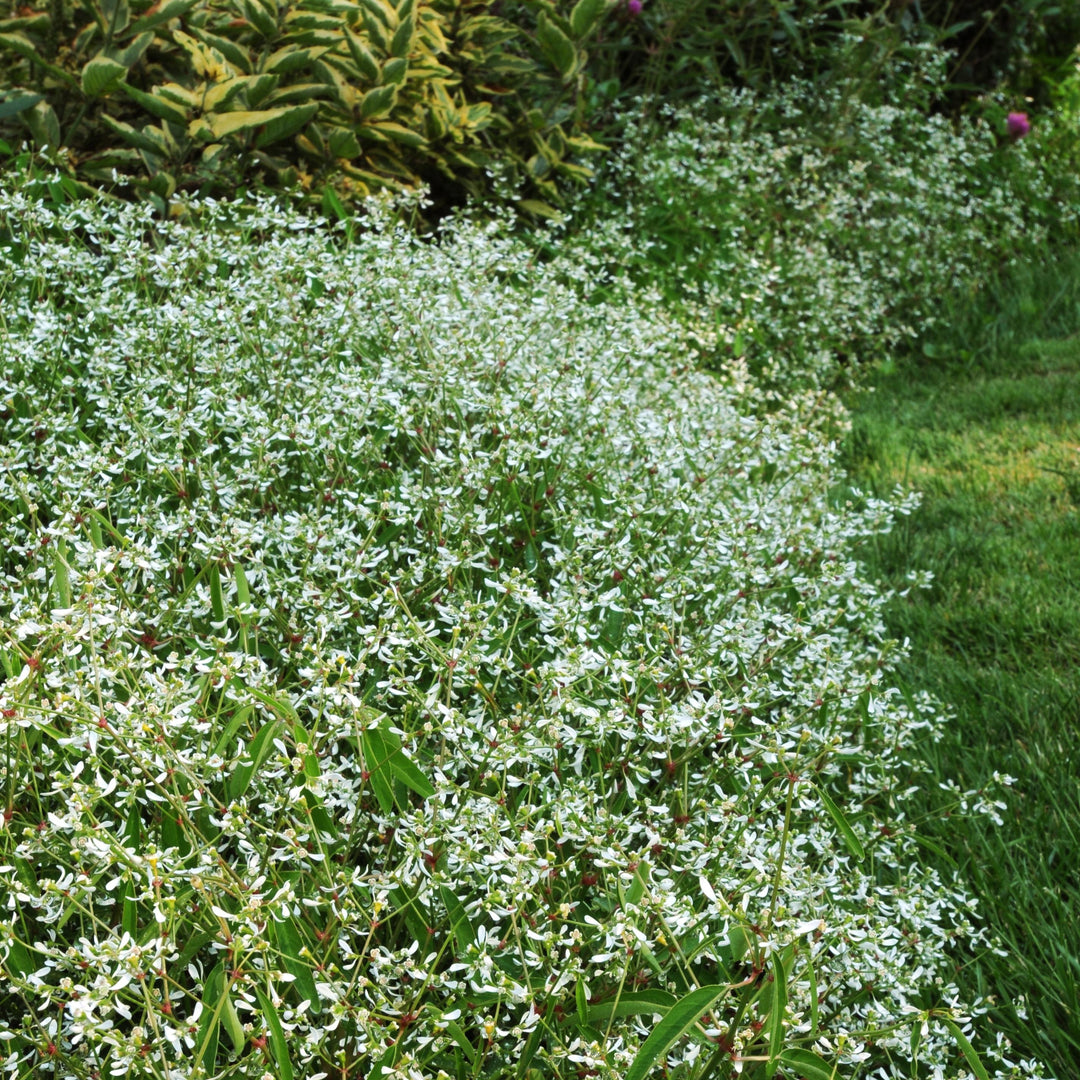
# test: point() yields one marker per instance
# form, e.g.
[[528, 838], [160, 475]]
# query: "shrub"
[[192, 94], [412, 671]]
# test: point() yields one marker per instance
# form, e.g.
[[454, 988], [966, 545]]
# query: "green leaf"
[[581, 999], [20, 43], [401, 44], [131, 53], [806, 1065], [556, 46], [680, 1019], [540, 209], [453, 1029], [61, 576], [206, 1040], [460, 927], [642, 1003], [278, 1047], [775, 1019], [585, 15], [290, 944], [378, 102], [259, 751], [361, 55], [970, 1056], [263, 16], [854, 845], [18, 103], [143, 140], [375, 760], [171, 10], [400, 134]]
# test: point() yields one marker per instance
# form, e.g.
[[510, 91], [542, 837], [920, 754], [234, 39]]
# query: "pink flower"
[[633, 8], [1018, 124]]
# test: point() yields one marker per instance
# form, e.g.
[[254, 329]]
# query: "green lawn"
[[990, 434]]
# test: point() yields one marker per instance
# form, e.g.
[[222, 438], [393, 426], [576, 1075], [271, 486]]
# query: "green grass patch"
[[987, 427]]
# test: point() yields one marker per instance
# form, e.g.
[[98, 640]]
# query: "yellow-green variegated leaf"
[[101, 76], [43, 125], [290, 58], [365, 63], [173, 9], [263, 15], [270, 125], [234, 54], [400, 134], [207, 62], [401, 44], [585, 15], [378, 102], [394, 71], [148, 140], [131, 53], [344, 144], [20, 43], [557, 47], [157, 104]]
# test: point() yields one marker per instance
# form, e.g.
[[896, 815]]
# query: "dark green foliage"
[[215, 94]]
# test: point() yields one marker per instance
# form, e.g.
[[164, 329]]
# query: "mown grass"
[[986, 423]]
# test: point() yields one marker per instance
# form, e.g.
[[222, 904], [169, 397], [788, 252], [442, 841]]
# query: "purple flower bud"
[[633, 8], [1018, 124]]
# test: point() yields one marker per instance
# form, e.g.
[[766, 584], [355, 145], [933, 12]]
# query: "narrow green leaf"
[[541, 209], [278, 1047], [460, 927], [453, 1029], [775, 1019], [375, 760], [806, 1065], [61, 574], [239, 720], [407, 772], [279, 706], [854, 845], [290, 944], [206, 1040], [217, 598], [680, 1019], [260, 748], [970, 1056], [815, 1005], [642, 1003], [581, 999]]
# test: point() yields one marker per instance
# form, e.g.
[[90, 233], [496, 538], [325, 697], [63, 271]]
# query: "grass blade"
[[278, 1047], [854, 845], [970, 1056]]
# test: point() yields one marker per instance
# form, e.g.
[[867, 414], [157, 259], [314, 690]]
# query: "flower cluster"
[[412, 670]]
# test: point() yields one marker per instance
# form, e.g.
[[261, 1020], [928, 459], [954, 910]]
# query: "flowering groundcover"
[[411, 670]]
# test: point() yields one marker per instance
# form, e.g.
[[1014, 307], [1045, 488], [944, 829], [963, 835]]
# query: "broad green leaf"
[[400, 134], [970, 1056], [287, 121], [278, 1047], [43, 125], [806, 1065], [541, 209], [343, 144], [20, 43], [144, 140], [378, 102], [853, 843], [290, 944], [557, 47], [681, 1017], [365, 63], [17, 103], [165, 13], [401, 44], [775, 1020], [585, 15], [131, 53], [263, 15]]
